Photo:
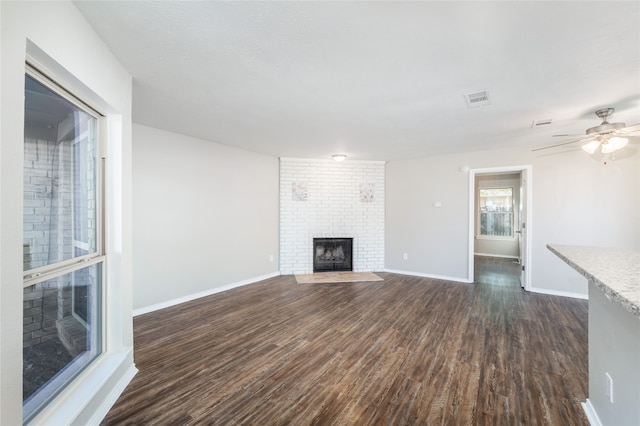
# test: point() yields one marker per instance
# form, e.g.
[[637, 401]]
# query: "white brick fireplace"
[[325, 198]]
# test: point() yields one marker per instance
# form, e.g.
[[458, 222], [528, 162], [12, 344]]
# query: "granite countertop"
[[614, 271]]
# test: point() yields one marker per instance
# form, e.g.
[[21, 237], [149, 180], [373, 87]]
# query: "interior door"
[[522, 231]]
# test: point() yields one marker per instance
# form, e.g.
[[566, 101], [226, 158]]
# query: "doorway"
[[500, 217]]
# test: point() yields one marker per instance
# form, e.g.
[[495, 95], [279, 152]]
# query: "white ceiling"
[[375, 80]]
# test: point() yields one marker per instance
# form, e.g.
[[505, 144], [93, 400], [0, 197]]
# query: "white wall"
[[343, 199], [205, 217], [612, 326], [576, 200], [501, 247], [61, 42], [434, 238]]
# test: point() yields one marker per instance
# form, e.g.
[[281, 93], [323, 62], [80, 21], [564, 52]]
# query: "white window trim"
[[97, 388], [65, 380], [480, 236]]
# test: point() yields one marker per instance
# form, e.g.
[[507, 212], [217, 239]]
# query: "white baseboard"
[[559, 293], [502, 256], [437, 277], [592, 416], [113, 396], [190, 297]]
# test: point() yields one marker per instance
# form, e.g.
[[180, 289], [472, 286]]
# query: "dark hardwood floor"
[[406, 350]]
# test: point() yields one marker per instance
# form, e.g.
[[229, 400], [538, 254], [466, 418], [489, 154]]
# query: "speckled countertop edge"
[[616, 272]]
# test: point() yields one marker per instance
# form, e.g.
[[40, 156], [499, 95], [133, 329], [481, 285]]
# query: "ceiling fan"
[[607, 137]]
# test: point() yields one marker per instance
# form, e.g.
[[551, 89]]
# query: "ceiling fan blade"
[[631, 129], [602, 134], [562, 144], [567, 134], [634, 139]]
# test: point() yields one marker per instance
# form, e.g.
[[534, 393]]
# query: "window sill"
[[92, 393], [486, 237]]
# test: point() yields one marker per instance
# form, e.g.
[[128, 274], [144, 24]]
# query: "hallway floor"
[[496, 271]]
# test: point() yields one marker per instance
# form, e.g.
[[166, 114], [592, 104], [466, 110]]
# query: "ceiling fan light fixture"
[[614, 144], [605, 127], [606, 138], [590, 147]]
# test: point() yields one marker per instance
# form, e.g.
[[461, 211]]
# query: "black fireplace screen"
[[332, 254]]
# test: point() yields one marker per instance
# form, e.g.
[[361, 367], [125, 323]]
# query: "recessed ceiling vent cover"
[[539, 123], [477, 99]]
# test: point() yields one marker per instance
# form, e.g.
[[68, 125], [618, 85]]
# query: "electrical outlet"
[[609, 387], [405, 256]]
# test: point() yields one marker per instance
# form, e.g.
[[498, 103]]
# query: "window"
[[63, 257], [496, 212]]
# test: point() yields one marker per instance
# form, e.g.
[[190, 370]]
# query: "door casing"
[[525, 199]]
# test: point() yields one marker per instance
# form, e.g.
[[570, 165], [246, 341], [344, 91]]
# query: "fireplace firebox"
[[332, 254]]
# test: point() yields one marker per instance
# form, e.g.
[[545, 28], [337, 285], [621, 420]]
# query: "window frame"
[[58, 269], [481, 236], [35, 275]]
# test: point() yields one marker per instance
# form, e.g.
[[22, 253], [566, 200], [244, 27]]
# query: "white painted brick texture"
[[332, 208]]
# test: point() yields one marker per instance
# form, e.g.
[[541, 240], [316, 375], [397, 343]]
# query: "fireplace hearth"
[[332, 254]]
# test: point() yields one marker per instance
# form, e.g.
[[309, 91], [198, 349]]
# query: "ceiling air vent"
[[539, 123], [477, 99]]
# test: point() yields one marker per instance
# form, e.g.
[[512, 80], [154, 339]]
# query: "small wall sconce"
[[339, 157]]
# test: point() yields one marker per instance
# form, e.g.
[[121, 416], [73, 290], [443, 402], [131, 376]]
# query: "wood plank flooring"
[[406, 350], [337, 277]]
